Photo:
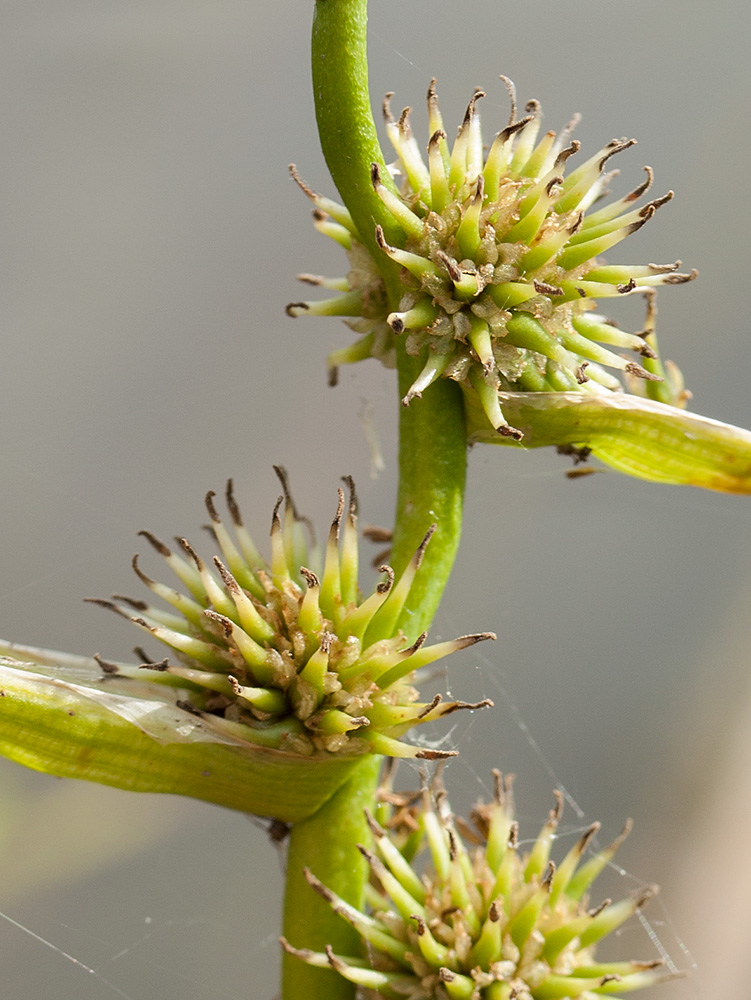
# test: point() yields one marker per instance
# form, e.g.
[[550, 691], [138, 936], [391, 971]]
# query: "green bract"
[[481, 922], [499, 258], [62, 715], [272, 666]]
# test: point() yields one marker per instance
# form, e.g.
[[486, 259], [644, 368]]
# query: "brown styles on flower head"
[[288, 651], [500, 257]]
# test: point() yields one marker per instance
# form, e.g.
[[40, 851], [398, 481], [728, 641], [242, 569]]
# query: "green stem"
[[345, 121], [327, 845], [432, 448], [432, 469], [432, 477]]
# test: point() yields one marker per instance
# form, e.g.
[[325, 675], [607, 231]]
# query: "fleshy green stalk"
[[327, 843], [432, 436], [345, 119], [432, 466], [432, 475]]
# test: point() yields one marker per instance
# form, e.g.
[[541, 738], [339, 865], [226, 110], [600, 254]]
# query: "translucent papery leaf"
[[638, 436], [62, 715]]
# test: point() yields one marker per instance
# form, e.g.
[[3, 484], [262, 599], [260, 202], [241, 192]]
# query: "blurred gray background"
[[150, 241]]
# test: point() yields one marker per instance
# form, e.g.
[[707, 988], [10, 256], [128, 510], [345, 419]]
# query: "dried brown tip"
[[470, 640], [336, 523], [139, 572], [567, 152], [633, 369], [105, 665], [293, 309], [616, 146], [452, 844], [325, 642], [505, 430], [319, 887], [452, 268], [375, 175], [545, 289], [385, 586], [548, 877], [470, 706], [436, 137], [642, 188], [497, 786], [586, 837], [375, 828], [302, 953], [436, 754], [227, 578], [432, 91], [404, 124], [419, 641], [511, 91], [556, 813], [160, 665], [190, 551], [381, 239], [386, 107], [681, 279], [597, 910], [283, 477], [110, 606], [301, 183], [336, 963], [226, 624], [276, 524], [505, 134], [472, 106], [353, 501], [160, 547], [418, 556], [378, 535], [659, 202], [132, 602], [649, 892], [211, 508], [232, 507], [429, 708], [310, 578], [627, 828]]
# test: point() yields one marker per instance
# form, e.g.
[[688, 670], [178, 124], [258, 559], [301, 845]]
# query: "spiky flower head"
[[284, 656], [499, 257], [485, 920]]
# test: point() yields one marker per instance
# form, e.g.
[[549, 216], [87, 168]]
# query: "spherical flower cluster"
[[483, 921], [499, 256], [285, 657]]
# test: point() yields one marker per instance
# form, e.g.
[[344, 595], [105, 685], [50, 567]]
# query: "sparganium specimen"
[[484, 919], [284, 685], [500, 266], [292, 658]]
